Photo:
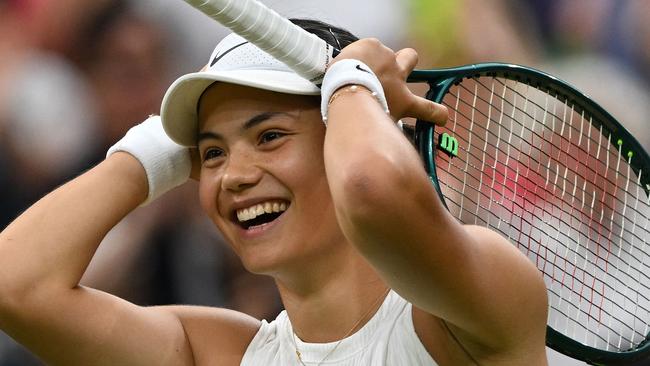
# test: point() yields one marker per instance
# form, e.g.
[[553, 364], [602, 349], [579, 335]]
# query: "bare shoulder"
[[217, 336]]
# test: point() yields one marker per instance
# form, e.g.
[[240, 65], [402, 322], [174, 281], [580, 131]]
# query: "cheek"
[[208, 194], [305, 170], [305, 173], [307, 163]]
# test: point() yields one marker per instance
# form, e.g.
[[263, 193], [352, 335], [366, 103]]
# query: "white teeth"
[[252, 212]]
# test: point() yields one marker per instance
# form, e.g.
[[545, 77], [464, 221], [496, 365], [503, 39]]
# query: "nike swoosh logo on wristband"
[[362, 69]]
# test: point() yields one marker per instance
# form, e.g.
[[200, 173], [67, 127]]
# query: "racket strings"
[[565, 236], [545, 175], [506, 178], [586, 195], [553, 114], [554, 117], [574, 324], [488, 223]]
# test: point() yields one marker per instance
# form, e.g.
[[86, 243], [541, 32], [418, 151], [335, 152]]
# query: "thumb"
[[426, 110]]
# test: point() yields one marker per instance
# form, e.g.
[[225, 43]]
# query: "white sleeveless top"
[[389, 338]]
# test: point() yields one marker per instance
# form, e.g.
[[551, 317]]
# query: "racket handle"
[[305, 53]]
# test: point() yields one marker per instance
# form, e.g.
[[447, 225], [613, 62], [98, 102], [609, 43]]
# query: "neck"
[[330, 302]]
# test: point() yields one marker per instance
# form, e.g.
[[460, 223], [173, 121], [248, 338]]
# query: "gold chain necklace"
[[374, 304]]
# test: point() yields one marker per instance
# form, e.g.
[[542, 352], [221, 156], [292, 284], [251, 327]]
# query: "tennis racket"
[[534, 159]]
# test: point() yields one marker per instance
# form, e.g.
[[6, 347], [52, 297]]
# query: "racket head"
[[514, 166]]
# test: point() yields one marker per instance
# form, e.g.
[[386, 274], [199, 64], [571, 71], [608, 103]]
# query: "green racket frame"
[[440, 82]]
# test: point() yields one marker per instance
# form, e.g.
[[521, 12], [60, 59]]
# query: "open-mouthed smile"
[[260, 214]]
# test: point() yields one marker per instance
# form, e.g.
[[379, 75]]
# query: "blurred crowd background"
[[75, 75]]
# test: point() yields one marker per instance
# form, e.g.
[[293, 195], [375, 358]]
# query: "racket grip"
[[305, 53]]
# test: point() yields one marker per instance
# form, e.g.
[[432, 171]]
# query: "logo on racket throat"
[[448, 144]]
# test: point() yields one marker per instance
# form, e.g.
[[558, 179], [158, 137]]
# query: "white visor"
[[235, 61]]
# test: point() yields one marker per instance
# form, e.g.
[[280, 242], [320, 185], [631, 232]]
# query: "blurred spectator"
[[57, 26], [125, 61], [581, 25], [48, 135], [50, 116], [13, 45], [635, 36], [451, 33], [602, 38], [44, 133]]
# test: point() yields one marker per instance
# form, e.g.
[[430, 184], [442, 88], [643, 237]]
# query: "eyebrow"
[[252, 122]]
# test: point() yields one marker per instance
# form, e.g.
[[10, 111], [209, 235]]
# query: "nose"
[[240, 172]]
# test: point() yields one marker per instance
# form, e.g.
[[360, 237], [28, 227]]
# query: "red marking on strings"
[[517, 193]]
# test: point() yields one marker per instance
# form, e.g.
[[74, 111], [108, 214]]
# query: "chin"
[[266, 258]]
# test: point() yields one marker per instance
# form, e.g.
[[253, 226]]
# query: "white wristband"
[[166, 163], [346, 72]]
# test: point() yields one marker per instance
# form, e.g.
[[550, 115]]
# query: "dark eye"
[[269, 136], [212, 153]]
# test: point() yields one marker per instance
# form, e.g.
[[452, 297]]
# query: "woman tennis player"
[[371, 268]]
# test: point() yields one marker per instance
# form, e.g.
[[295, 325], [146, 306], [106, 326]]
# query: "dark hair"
[[335, 36]]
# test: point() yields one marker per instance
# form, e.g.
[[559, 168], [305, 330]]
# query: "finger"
[[406, 59], [426, 110]]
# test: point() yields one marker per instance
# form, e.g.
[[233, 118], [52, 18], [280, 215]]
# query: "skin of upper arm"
[[83, 326], [468, 275], [216, 336], [91, 327]]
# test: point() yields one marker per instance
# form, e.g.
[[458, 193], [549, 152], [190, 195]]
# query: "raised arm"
[[43, 255], [490, 295]]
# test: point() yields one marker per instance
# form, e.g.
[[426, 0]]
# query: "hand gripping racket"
[[534, 159]]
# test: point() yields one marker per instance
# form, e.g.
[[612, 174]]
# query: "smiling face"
[[263, 177]]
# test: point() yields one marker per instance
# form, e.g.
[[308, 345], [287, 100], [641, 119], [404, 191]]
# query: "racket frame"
[[441, 81]]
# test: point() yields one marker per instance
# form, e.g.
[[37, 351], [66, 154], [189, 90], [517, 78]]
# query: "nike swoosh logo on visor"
[[218, 57]]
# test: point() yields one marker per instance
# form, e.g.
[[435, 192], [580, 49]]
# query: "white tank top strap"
[[388, 338]]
